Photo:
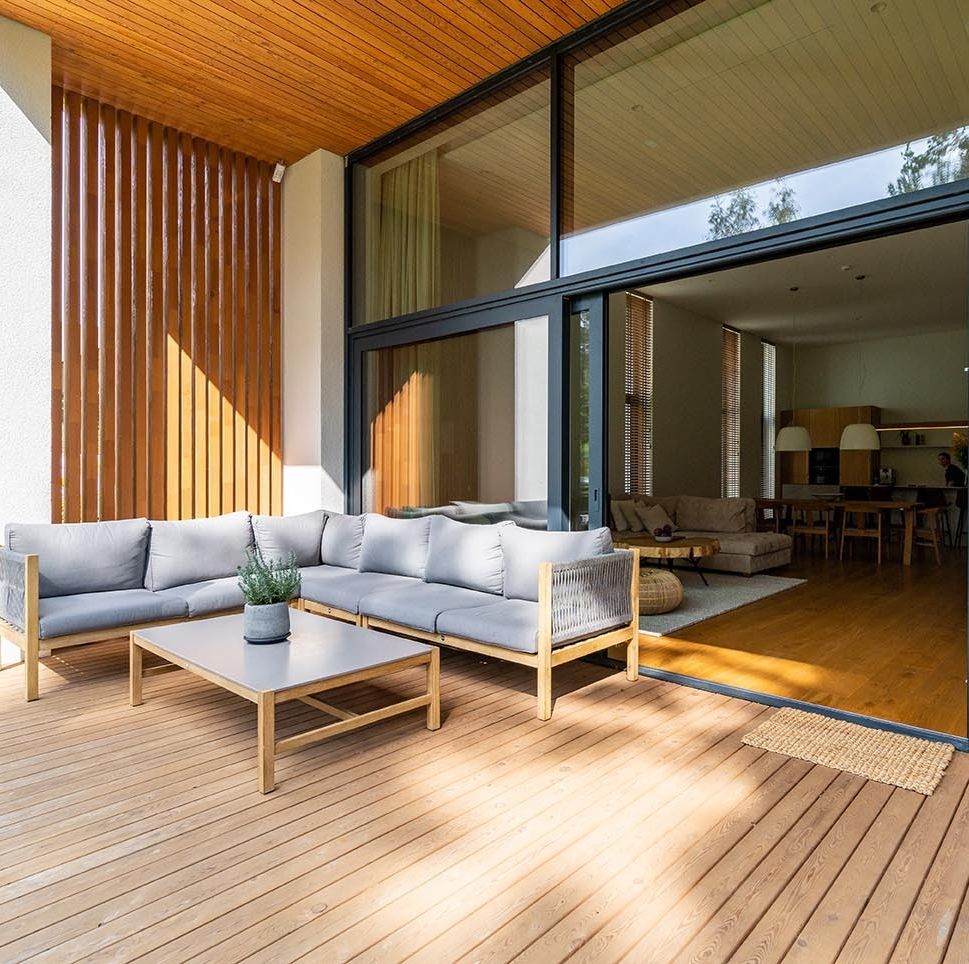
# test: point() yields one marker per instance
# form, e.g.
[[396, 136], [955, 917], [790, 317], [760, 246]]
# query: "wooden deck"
[[633, 825]]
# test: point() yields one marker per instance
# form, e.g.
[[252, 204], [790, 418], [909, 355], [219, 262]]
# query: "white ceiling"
[[914, 282]]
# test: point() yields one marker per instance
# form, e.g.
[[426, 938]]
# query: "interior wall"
[[312, 241], [686, 387], [25, 274], [910, 378]]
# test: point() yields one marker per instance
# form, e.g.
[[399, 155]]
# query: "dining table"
[[908, 511]]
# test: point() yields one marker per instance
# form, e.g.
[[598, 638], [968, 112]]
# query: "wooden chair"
[[928, 530], [812, 521], [855, 525]]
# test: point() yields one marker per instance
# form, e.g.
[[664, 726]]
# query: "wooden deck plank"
[[874, 936], [633, 824]]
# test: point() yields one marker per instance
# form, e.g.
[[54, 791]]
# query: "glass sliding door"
[[587, 414], [458, 426]]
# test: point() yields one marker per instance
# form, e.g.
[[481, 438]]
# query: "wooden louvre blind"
[[730, 413], [639, 395], [768, 430], [167, 368]]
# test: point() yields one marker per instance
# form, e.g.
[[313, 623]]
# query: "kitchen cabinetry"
[[826, 426]]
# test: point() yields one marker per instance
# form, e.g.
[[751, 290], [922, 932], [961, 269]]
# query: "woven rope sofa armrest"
[[18, 588], [591, 595]]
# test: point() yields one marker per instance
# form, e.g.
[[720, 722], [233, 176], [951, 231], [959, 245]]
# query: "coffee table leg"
[[135, 672], [434, 690], [266, 726]]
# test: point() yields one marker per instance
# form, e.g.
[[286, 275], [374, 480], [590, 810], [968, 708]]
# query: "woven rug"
[[726, 592], [901, 761]]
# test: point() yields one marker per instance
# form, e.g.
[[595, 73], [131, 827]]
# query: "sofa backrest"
[[465, 555], [698, 514], [524, 550], [193, 550], [81, 557], [395, 546], [342, 540], [277, 536]]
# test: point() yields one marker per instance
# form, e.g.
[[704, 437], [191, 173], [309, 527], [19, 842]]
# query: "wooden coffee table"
[[694, 550], [321, 654]]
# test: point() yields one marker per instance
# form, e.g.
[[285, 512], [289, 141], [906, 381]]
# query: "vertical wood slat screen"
[[768, 420], [730, 413], [638, 461], [167, 367]]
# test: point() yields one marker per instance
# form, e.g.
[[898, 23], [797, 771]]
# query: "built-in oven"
[[823, 466]]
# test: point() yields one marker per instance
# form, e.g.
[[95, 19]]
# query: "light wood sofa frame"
[[543, 661]]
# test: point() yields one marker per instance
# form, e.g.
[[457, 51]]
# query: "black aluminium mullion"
[[965, 666], [558, 417], [351, 399], [555, 167]]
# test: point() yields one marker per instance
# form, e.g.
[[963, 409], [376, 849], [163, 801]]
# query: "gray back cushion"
[[278, 535], [82, 557], [465, 555], [342, 540], [191, 550], [526, 549], [395, 546]]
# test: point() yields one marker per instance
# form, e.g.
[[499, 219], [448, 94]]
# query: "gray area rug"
[[725, 593]]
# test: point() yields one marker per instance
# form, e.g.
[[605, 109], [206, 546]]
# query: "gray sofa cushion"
[[419, 606], [210, 596], [88, 612], [195, 550], [510, 623], [395, 546], [342, 540], [343, 588], [83, 557], [525, 550], [465, 555], [278, 535]]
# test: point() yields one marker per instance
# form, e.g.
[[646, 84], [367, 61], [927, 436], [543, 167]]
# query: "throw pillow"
[[654, 517], [628, 509], [619, 521]]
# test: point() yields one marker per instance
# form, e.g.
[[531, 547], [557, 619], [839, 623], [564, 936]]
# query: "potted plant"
[[267, 587]]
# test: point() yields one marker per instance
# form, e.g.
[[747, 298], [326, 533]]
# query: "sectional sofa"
[[731, 521], [535, 598]]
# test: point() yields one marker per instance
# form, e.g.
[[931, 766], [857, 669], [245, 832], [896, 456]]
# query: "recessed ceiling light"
[[878, 7], [794, 288], [636, 107], [860, 277], [846, 267]]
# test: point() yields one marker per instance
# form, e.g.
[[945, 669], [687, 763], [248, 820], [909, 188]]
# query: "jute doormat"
[[901, 761]]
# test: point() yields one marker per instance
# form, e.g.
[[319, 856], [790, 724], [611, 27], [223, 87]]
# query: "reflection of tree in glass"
[[739, 212], [945, 159]]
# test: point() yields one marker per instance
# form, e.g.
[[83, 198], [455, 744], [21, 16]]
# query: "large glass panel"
[[459, 427], [737, 115], [458, 212]]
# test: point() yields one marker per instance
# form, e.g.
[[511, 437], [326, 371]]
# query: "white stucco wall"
[[312, 265], [25, 274]]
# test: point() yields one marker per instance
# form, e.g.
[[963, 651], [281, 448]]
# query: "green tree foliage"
[[945, 159], [738, 213]]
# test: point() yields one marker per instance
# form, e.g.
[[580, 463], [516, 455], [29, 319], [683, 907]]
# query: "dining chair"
[[928, 530], [856, 525]]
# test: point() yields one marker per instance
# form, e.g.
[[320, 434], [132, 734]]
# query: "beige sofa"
[[731, 521]]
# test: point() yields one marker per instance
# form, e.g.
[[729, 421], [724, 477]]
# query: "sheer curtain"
[[407, 239]]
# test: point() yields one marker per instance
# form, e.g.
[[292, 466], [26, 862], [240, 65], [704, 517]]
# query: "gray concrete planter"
[[266, 624]]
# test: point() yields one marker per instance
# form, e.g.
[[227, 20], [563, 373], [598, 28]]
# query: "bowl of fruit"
[[664, 534]]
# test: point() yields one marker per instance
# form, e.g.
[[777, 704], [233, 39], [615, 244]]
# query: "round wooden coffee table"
[[693, 550]]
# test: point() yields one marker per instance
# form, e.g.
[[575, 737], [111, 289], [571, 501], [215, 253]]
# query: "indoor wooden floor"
[[888, 642], [634, 824]]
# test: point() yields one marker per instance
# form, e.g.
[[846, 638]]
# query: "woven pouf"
[[659, 592]]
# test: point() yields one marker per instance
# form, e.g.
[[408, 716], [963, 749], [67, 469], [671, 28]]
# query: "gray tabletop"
[[319, 649]]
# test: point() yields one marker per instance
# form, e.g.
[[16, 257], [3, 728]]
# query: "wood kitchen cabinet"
[[826, 426]]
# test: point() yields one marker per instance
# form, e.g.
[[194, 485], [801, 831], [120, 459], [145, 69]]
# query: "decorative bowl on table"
[[663, 535]]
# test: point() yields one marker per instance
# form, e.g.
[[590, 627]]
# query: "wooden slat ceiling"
[[279, 80]]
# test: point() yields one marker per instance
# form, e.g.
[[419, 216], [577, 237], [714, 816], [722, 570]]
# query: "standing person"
[[955, 478]]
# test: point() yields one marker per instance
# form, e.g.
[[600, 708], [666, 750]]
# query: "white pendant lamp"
[[793, 438], [860, 437]]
